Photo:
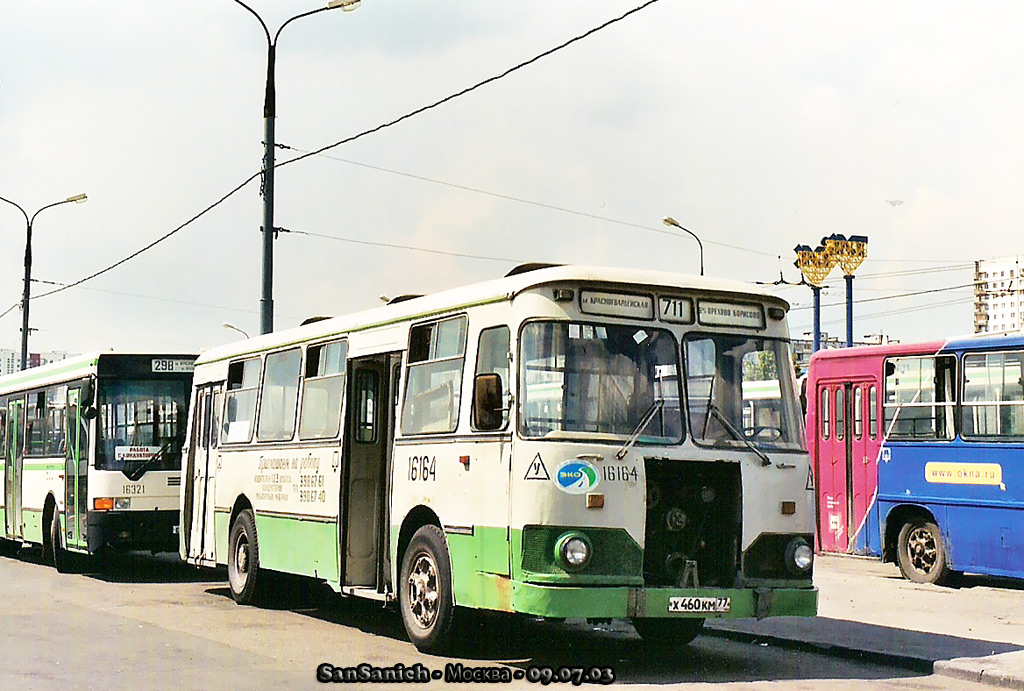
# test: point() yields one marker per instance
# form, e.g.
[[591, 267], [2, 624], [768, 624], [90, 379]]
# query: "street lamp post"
[[269, 113], [815, 266], [29, 220], [669, 221], [850, 253]]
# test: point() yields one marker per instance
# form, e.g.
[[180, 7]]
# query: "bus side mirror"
[[88, 392], [89, 412], [487, 409]]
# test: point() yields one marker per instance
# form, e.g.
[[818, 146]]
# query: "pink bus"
[[845, 437]]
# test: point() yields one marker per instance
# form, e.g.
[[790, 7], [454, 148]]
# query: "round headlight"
[[799, 556], [573, 551]]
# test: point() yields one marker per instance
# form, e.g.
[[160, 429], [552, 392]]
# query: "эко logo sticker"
[[576, 477]]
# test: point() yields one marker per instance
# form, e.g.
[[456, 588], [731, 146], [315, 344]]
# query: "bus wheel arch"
[[53, 537], [418, 517]]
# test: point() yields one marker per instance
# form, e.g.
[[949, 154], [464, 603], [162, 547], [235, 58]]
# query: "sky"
[[758, 126]]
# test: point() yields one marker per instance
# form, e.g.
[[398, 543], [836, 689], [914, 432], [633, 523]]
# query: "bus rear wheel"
[[425, 591], [920, 552], [668, 631], [244, 576]]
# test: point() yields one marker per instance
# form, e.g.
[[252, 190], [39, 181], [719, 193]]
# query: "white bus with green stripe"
[[90, 449], [564, 442]]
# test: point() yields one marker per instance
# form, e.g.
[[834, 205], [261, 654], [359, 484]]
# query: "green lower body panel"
[[623, 602]]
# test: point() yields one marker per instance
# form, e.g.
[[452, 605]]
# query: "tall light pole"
[[669, 221], [849, 254], [815, 266], [269, 113], [29, 220]]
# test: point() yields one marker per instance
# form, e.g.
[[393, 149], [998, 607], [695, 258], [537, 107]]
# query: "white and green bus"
[[90, 449], [564, 442]]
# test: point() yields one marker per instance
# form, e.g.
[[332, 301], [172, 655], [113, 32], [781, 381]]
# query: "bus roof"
[[67, 369], [486, 292]]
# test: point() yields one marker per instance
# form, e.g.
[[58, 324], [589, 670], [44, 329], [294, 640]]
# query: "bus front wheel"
[[425, 591], [244, 577], [668, 631], [920, 552]]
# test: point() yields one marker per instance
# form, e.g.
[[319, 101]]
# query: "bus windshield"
[[138, 419], [583, 379], [739, 389]]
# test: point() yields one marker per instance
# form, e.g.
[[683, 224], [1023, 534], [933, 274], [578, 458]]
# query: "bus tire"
[[59, 555], [244, 575], [674, 632], [920, 551], [425, 591]]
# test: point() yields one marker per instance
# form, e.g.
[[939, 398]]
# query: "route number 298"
[[422, 468]]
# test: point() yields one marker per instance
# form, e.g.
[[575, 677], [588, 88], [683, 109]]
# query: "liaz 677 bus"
[[562, 442], [917, 448], [91, 453]]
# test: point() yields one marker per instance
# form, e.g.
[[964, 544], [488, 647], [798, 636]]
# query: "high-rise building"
[[997, 294], [10, 360]]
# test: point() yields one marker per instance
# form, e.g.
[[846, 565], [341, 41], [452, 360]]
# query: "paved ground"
[[973, 630]]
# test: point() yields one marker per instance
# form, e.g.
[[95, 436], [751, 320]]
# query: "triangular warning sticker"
[[537, 471], [810, 478]]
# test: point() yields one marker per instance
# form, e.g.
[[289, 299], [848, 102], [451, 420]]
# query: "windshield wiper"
[[136, 475], [644, 421], [737, 435]]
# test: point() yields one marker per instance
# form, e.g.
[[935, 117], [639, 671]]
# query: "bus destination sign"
[[617, 304], [730, 314], [172, 366]]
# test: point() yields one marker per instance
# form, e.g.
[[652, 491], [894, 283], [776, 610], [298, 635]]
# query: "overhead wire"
[[347, 140]]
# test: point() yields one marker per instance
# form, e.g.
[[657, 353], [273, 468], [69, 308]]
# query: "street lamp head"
[[669, 221], [345, 5], [78, 198]]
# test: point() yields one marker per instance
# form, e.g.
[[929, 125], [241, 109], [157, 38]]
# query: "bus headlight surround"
[[799, 556], [573, 551], [122, 503]]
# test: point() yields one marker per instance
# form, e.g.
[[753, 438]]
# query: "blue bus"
[[936, 484]]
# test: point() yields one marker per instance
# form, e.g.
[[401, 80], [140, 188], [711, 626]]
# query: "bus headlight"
[[122, 503], [573, 551], [799, 556]]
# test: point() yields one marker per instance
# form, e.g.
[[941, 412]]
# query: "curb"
[[915, 664]]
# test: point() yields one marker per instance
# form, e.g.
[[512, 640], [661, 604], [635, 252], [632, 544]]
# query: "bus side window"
[[858, 412], [240, 401], [825, 411], [873, 412], [323, 391], [279, 395], [3, 430], [492, 357], [840, 412], [433, 383]]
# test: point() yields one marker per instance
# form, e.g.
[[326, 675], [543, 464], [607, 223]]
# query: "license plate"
[[716, 605]]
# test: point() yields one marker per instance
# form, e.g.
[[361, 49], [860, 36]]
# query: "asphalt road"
[[154, 623]]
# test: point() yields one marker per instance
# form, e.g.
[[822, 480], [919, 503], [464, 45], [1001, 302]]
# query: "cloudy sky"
[[757, 125]]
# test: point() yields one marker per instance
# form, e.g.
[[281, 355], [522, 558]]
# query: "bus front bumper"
[[154, 531], [627, 602]]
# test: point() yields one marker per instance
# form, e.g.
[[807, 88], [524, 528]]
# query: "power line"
[[891, 297], [364, 133], [400, 247], [519, 200]]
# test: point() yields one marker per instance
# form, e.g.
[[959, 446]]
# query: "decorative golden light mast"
[[815, 265]]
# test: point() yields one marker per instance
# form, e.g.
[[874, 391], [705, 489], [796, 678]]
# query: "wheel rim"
[[241, 569], [922, 550], [422, 587]]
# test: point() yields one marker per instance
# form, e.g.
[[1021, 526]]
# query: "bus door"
[[370, 424], [200, 474], [845, 485], [13, 467], [76, 471]]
